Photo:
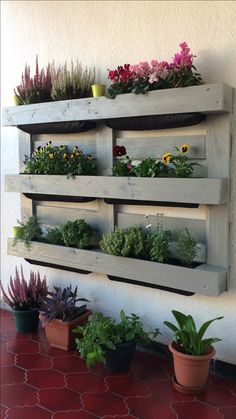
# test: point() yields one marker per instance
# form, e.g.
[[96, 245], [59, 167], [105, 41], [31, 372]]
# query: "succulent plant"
[[61, 304], [22, 295]]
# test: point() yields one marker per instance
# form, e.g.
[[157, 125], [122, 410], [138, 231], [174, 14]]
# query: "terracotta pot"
[[191, 371], [59, 333]]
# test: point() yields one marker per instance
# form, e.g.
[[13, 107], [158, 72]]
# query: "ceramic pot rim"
[[175, 352]]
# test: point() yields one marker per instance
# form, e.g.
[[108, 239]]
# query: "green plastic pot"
[[98, 90], [27, 321]]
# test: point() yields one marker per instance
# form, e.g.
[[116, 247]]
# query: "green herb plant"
[[129, 242], [104, 332], [159, 251], [187, 248], [76, 234], [32, 232], [188, 339], [53, 235]]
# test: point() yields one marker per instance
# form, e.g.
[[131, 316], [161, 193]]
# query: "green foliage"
[[104, 332], [54, 236], [187, 248], [76, 233], [159, 251], [188, 339], [32, 232], [73, 83], [123, 167], [150, 168], [128, 243], [57, 160], [181, 167]]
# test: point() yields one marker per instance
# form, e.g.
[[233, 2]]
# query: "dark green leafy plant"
[[32, 232], [57, 160], [159, 251], [150, 168], [129, 242], [76, 234], [61, 304], [54, 236], [188, 339], [104, 332], [187, 248], [73, 83], [113, 242]]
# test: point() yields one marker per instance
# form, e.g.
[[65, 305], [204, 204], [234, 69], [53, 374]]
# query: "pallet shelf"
[[199, 191], [210, 146], [205, 279]]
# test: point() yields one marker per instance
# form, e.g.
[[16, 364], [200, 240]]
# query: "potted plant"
[[59, 315], [110, 342], [28, 232], [192, 353], [24, 299]]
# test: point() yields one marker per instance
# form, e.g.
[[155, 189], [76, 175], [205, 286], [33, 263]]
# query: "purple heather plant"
[[23, 295], [37, 88]]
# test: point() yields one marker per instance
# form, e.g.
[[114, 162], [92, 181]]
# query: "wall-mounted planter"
[[205, 279], [191, 190], [154, 122], [58, 127]]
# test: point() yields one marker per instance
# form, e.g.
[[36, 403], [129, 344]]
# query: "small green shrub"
[[129, 242], [159, 251], [76, 234], [32, 232], [187, 248], [54, 236], [113, 242]]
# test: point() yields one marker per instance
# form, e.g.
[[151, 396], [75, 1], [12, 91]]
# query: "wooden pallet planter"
[[191, 190], [207, 99], [205, 279]]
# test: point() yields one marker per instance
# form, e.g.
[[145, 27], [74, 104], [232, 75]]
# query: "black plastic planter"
[[114, 201], [59, 198], [119, 359], [152, 122], [54, 266], [58, 127]]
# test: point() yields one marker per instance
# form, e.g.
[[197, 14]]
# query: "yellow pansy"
[[90, 157], [64, 156], [72, 156], [184, 148], [50, 156], [166, 158]]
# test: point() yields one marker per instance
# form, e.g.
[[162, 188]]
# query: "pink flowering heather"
[[22, 295]]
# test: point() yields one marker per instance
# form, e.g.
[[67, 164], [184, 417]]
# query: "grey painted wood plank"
[[155, 147], [59, 215], [206, 279], [196, 227], [191, 190], [209, 98]]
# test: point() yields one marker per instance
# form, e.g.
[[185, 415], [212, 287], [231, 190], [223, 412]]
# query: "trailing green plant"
[[188, 339], [73, 82], [187, 248], [32, 232], [159, 251], [23, 295], [76, 234], [61, 304], [103, 333], [58, 160], [54, 236], [34, 89]]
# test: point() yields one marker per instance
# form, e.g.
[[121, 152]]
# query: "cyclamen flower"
[[122, 74], [184, 58]]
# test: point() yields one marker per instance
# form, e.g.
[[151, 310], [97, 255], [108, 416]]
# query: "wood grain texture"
[[208, 98], [200, 191], [206, 279]]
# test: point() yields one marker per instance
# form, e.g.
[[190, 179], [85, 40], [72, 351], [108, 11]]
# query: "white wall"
[[106, 34]]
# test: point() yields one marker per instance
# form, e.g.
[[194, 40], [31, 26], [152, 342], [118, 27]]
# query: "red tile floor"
[[41, 383]]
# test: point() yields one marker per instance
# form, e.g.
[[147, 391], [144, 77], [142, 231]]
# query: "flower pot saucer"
[[188, 391]]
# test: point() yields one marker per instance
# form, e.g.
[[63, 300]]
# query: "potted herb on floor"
[[60, 315], [24, 299], [192, 353], [110, 342]]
